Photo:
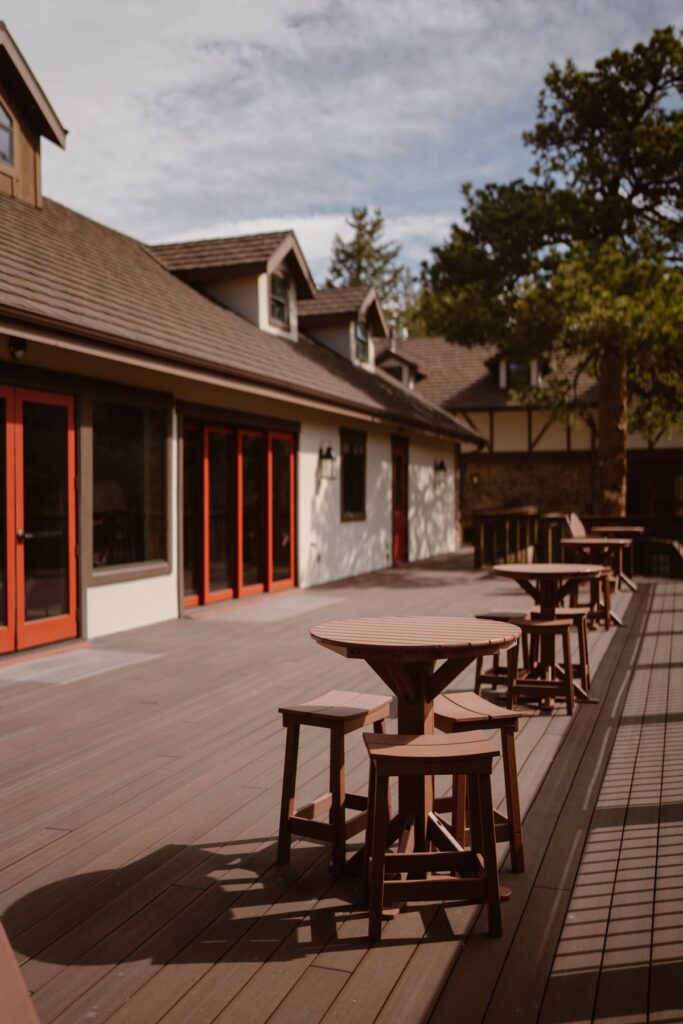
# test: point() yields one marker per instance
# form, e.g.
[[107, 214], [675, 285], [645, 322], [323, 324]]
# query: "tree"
[[581, 264], [368, 259]]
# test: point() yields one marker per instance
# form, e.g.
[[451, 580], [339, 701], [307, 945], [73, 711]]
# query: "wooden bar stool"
[[498, 673], [341, 712], [579, 616], [543, 677], [469, 874], [463, 712]]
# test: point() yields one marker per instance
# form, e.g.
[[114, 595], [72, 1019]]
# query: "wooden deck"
[[139, 796]]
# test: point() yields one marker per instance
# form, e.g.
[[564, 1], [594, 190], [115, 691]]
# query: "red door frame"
[[58, 627], [289, 581], [252, 588], [399, 516], [8, 630], [211, 596], [192, 600]]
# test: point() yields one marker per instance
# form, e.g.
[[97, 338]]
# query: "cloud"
[[188, 118]]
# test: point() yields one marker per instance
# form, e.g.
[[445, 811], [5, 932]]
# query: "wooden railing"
[[523, 535]]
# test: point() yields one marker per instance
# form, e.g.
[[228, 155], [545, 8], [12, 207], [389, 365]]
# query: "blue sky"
[[214, 117]]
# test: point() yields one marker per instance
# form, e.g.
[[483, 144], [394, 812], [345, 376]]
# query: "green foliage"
[[584, 259], [368, 259]]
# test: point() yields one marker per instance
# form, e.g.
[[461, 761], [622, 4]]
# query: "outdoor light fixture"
[[439, 472], [17, 348], [327, 463]]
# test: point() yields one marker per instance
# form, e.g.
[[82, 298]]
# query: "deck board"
[[140, 808]]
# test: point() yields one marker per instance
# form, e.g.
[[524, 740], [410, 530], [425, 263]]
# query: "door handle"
[[21, 535]]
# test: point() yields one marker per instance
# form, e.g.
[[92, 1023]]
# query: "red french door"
[[399, 504], [38, 480], [238, 512]]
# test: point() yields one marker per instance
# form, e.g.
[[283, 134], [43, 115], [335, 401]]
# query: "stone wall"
[[553, 481]]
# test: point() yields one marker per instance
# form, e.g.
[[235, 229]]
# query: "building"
[[171, 435], [529, 458]]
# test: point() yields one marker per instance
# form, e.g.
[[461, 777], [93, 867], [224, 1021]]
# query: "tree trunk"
[[612, 429]]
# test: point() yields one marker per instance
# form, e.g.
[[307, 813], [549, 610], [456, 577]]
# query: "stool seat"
[[504, 616], [546, 625], [458, 713], [433, 750], [570, 612], [340, 712], [430, 864], [354, 710], [466, 708]]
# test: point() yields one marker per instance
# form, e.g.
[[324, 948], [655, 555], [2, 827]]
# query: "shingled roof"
[[331, 305], [458, 377], [243, 250], [62, 270]]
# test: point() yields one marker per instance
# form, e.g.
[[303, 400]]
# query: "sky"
[[201, 118]]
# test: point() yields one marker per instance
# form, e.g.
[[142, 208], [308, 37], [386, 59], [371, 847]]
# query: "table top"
[[414, 637], [597, 542], [547, 570], [616, 530]]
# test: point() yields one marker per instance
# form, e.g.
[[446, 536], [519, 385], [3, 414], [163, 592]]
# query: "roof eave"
[[48, 122]]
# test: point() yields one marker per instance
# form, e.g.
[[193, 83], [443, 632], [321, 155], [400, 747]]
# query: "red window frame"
[[252, 588], [212, 596], [289, 581], [16, 633]]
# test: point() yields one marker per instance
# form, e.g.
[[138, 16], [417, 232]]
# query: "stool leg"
[[338, 810], [607, 595], [378, 846], [372, 787], [569, 674], [512, 799], [474, 808], [381, 726], [459, 812], [512, 665], [489, 855], [583, 652], [496, 665], [288, 790], [477, 675]]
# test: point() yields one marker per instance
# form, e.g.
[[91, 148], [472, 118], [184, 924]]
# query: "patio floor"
[[139, 802]]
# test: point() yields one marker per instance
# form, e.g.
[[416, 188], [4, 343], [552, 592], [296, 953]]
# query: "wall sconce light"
[[327, 463], [17, 349], [439, 472]]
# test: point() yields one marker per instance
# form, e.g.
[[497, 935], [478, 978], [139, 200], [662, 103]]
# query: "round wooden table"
[[548, 583], [626, 532], [403, 652]]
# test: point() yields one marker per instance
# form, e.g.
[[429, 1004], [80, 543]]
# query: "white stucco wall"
[[329, 549], [431, 517], [113, 607]]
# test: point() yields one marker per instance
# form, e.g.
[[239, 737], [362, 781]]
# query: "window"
[[362, 347], [394, 371], [352, 474], [6, 133], [279, 300], [517, 374], [129, 484]]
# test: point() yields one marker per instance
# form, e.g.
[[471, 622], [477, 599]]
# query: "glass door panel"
[[45, 518], [7, 530], [46, 511], [219, 503], [192, 514], [281, 510], [252, 509]]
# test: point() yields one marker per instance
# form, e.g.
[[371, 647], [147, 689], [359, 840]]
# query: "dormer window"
[[362, 346], [279, 300], [6, 133], [514, 375]]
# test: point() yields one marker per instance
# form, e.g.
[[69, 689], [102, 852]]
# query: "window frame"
[[9, 129], [349, 436], [277, 321], [362, 339], [93, 576]]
